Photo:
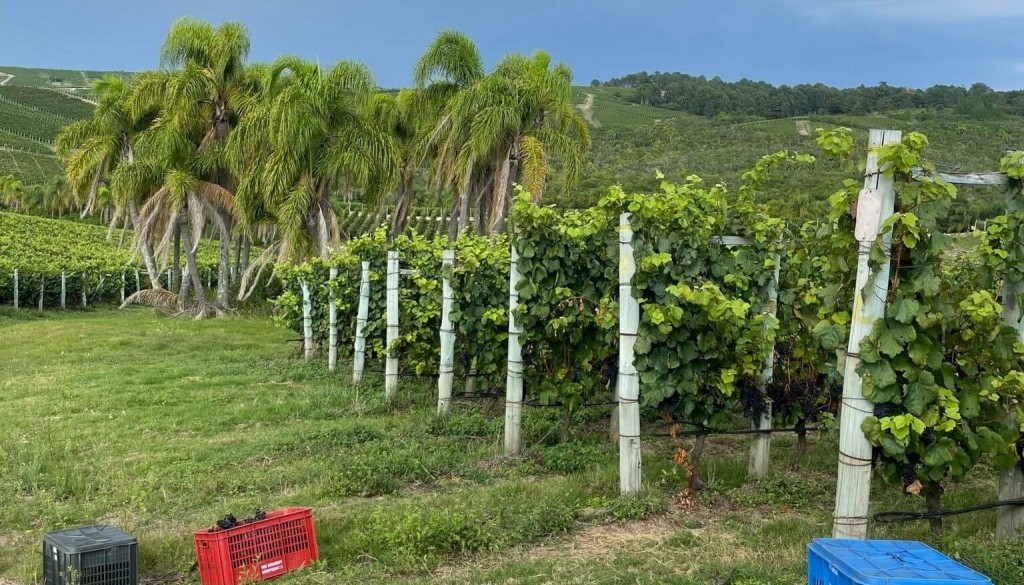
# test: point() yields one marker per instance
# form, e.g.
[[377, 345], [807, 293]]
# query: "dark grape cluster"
[[884, 409], [229, 521], [752, 400]]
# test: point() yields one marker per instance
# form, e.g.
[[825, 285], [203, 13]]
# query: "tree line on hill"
[[701, 96]]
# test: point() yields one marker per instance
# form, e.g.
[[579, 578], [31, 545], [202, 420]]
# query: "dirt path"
[[587, 109]]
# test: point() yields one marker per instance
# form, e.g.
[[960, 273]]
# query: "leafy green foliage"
[[941, 366], [569, 277]]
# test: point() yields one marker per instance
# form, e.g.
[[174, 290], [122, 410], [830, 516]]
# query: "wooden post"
[[514, 375], [85, 301], [761, 446], [15, 288], [628, 381], [391, 361], [42, 289], [446, 369], [874, 205], [307, 322], [63, 289], [122, 287], [332, 355], [138, 283], [359, 354], [170, 279]]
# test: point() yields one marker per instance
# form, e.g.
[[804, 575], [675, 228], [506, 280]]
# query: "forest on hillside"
[[701, 96]]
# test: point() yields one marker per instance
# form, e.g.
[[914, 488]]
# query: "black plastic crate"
[[93, 555]]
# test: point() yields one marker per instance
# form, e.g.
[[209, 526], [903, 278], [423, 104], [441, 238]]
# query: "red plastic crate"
[[284, 541]]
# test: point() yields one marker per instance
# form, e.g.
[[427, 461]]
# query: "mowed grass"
[[162, 426]]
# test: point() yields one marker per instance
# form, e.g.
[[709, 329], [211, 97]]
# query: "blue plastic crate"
[[832, 561]]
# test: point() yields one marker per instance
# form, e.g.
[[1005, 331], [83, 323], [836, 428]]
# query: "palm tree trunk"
[[176, 275], [192, 267], [223, 269], [145, 249], [246, 245], [504, 184], [402, 203], [453, 218], [464, 200]]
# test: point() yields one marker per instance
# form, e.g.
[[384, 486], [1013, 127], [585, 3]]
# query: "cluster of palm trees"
[[210, 146], [49, 198]]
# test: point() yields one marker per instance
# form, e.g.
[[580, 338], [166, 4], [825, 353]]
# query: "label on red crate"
[[272, 568]]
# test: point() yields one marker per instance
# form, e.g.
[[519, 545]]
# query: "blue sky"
[[840, 42]]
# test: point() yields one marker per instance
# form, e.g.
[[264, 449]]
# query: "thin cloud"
[[930, 11]]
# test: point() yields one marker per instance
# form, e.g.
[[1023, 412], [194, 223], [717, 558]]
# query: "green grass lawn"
[[162, 426]]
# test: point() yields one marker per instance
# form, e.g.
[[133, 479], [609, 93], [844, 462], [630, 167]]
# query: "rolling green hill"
[[34, 105], [632, 142]]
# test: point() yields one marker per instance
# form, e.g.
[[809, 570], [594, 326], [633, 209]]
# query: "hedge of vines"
[[40, 249], [941, 367], [479, 280]]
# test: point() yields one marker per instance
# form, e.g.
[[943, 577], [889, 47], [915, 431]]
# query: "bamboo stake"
[[359, 355], [761, 446], [514, 376], [15, 288], [874, 206], [307, 322], [332, 355], [391, 362], [627, 381], [446, 369], [63, 289]]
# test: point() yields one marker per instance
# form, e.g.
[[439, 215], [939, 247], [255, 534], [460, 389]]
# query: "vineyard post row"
[[64, 288]]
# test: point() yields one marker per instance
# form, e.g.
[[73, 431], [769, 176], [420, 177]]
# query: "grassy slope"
[[162, 426]]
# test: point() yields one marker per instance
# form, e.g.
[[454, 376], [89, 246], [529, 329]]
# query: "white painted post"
[[514, 367], [122, 287], [85, 301], [63, 289], [1010, 519], [170, 279], [628, 381], [332, 355], [42, 289], [391, 361], [307, 322], [138, 283], [761, 446], [874, 206], [359, 354], [15, 288], [446, 369]]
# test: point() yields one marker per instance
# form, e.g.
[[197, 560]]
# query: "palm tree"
[[449, 66], [499, 129], [523, 115], [401, 117], [203, 76], [311, 132], [93, 149]]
